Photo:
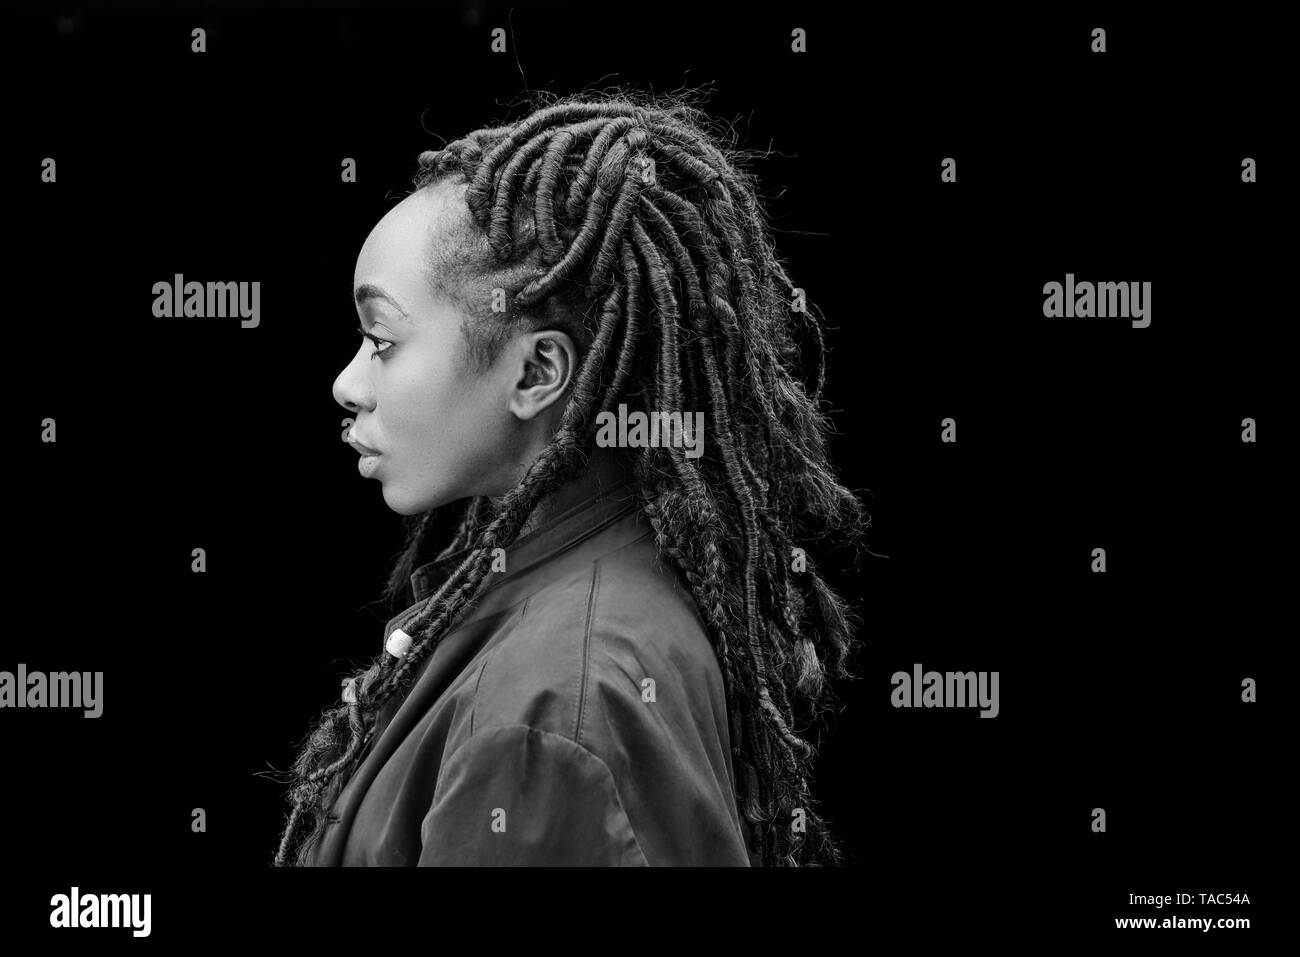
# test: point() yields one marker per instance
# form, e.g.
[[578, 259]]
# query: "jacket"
[[575, 715]]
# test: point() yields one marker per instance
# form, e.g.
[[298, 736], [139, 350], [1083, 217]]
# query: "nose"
[[352, 388]]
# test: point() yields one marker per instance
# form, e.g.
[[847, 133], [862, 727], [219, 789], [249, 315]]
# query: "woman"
[[611, 659]]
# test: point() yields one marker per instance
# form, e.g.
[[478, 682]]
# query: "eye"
[[381, 345]]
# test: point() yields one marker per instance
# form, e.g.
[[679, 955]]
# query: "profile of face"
[[430, 426]]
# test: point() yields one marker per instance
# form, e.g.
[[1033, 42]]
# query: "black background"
[[1119, 691]]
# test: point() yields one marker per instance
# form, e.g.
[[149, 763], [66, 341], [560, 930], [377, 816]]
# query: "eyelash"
[[377, 341]]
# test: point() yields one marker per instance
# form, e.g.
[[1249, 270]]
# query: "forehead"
[[426, 238]]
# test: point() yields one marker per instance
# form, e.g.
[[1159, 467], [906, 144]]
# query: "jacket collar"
[[601, 491]]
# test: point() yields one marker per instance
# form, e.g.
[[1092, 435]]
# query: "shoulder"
[[614, 634], [606, 695]]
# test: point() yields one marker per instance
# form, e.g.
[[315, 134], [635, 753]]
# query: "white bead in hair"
[[399, 643]]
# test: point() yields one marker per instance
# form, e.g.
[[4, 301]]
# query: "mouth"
[[363, 449]]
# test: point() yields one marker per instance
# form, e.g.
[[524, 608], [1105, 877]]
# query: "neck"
[[604, 468]]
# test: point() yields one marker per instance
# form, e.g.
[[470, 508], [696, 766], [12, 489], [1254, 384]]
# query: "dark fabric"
[[526, 739]]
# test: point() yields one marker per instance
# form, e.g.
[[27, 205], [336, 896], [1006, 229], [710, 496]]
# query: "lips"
[[363, 449]]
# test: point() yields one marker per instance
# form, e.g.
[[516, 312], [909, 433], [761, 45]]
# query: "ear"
[[545, 363]]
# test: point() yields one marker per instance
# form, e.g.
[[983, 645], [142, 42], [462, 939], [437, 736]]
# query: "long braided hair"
[[636, 207]]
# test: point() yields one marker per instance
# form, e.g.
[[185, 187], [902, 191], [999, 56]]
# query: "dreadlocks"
[[634, 212]]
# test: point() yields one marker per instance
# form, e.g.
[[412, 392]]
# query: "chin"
[[403, 502], [399, 503]]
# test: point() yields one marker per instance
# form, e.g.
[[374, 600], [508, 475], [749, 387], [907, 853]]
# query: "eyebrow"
[[365, 292]]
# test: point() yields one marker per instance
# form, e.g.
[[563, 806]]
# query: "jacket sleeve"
[[517, 795]]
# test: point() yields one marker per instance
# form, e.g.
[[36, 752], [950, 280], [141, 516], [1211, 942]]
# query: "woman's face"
[[441, 430]]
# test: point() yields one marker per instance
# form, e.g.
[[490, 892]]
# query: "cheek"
[[437, 417], [414, 395]]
